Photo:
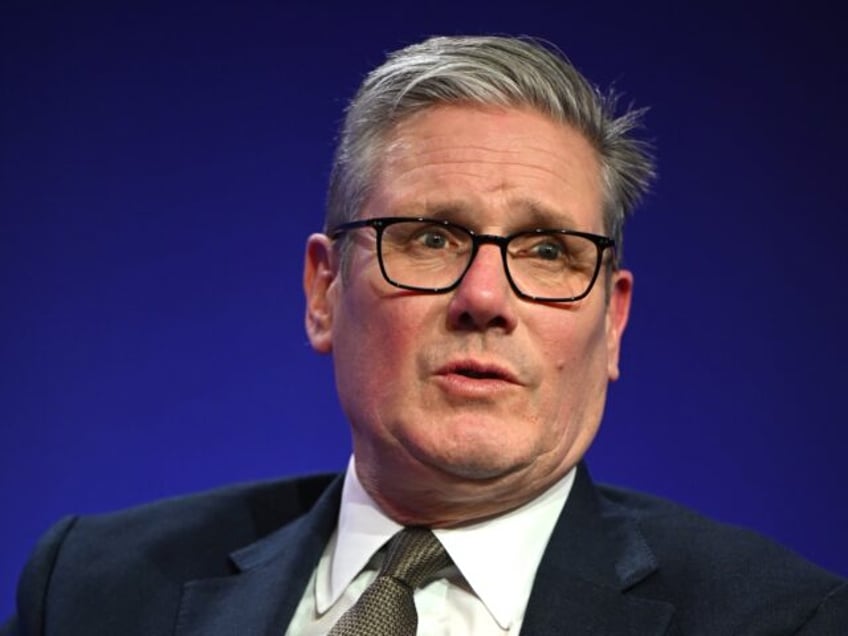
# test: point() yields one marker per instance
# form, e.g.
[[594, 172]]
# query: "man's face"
[[473, 395]]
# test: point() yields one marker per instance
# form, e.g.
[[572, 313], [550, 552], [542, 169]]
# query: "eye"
[[548, 250], [545, 249], [431, 238], [424, 238]]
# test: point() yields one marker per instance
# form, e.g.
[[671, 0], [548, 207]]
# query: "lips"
[[476, 370]]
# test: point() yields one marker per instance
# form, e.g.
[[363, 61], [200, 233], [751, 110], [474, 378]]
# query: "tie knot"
[[414, 555]]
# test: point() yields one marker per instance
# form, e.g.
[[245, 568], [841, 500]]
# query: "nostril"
[[468, 321]]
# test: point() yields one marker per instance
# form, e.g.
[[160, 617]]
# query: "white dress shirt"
[[484, 592]]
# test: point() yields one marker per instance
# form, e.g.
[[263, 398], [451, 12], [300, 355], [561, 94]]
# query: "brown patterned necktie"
[[386, 607]]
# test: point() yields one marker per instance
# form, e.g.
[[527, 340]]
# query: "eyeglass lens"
[[541, 264]]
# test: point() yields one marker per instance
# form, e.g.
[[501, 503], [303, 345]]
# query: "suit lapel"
[[595, 554], [272, 574]]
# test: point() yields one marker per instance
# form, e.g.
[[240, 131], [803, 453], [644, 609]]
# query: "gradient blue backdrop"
[[160, 168]]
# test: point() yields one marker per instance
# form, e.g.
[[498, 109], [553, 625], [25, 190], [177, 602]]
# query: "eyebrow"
[[534, 212], [528, 212]]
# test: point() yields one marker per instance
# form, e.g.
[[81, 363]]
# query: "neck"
[[443, 501]]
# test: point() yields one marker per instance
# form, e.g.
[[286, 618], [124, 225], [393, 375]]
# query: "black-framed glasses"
[[432, 255]]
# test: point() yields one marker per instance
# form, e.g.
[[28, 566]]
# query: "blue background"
[[160, 168]]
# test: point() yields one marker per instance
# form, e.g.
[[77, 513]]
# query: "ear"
[[618, 309], [319, 285]]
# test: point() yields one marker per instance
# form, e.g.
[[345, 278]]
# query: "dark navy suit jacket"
[[235, 561]]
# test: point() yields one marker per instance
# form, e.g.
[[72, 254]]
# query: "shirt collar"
[[362, 530], [482, 552]]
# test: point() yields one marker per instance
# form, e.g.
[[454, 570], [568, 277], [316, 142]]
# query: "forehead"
[[488, 166]]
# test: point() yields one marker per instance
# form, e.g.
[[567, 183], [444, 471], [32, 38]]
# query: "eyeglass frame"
[[602, 243]]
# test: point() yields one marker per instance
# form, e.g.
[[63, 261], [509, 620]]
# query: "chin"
[[475, 465], [473, 449]]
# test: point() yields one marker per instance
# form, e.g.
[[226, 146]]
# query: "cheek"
[[375, 344], [570, 344], [576, 368]]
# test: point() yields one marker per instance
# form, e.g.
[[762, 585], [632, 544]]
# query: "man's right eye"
[[432, 239]]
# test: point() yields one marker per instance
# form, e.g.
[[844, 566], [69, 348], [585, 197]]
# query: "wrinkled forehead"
[[460, 162]]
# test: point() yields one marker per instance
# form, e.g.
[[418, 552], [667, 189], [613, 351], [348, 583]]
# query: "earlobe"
[[319, 278], [618, 311]]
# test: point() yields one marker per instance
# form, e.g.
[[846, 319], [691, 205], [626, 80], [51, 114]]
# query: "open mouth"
[[479, 374], [477, 371]]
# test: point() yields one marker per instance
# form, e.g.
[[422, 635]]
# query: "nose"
[[484, 299]]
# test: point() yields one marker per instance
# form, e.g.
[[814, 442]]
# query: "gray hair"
[[489, 71]]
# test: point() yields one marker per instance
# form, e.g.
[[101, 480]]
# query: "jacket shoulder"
[[179, 529], [99, 563], [724, 578]]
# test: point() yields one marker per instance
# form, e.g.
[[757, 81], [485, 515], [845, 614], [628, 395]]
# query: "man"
[[468, 287]]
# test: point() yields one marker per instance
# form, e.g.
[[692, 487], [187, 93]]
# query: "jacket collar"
[[595, 555], [272, 573]]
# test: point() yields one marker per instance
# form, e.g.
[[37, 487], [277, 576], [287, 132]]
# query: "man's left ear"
[[618, 309], [319, 285]]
